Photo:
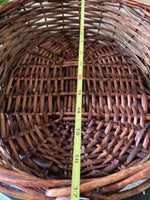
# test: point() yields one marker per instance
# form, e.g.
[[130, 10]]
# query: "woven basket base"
[[38, 113]]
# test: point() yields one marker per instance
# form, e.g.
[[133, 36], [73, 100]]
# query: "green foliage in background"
[[2, 2]]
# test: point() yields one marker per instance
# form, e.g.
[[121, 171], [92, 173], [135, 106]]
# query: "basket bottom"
[[38, 114]]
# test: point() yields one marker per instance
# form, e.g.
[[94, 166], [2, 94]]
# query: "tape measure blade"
[[75, 190]]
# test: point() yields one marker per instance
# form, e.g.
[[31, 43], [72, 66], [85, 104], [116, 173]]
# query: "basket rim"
[[133, 3]]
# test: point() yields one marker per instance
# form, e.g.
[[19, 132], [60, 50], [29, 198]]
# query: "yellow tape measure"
[[75, 189]]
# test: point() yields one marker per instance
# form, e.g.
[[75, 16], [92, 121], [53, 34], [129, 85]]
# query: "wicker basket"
[[39, 43]]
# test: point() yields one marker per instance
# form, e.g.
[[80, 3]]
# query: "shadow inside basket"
[[38, 112]]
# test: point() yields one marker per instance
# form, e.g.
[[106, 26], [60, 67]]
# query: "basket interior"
[[38, 108], [39, 111]]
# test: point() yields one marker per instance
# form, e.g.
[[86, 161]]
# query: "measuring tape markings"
[[75, 190]]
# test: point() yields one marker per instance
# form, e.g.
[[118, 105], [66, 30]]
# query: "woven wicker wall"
[[38, 76], [108, 22]]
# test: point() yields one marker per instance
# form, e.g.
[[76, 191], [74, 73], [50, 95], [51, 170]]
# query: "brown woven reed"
[[38, 77]]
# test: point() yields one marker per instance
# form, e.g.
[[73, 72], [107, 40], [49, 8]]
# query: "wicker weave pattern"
[[40, 104], [38, 96]]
